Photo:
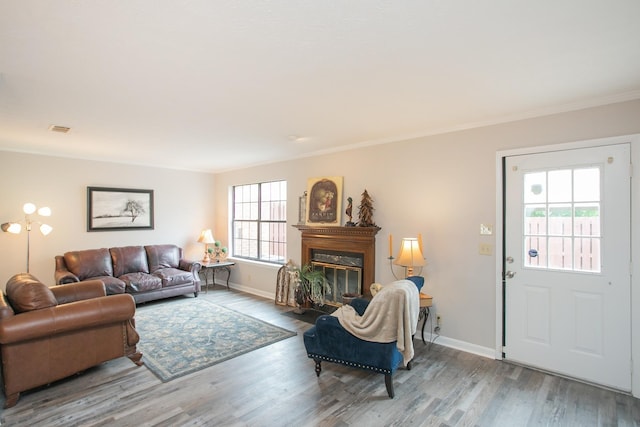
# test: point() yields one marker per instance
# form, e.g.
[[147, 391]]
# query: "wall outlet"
[[439, 320]]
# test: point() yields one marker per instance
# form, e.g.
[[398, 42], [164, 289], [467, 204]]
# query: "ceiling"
[[215, 85]]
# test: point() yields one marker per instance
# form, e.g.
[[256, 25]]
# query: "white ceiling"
[[214, 85]]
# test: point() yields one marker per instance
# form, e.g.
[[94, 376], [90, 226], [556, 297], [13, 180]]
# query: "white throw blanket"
[[392, 315]]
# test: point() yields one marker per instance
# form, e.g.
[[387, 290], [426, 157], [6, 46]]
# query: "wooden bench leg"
[[318, 367], [388, 381]]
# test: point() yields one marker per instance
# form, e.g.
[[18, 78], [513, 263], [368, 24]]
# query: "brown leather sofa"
[[146, 272], [47, 334]]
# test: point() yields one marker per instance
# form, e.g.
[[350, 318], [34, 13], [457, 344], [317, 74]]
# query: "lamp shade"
[[44, 211], [29, 208], [206, 237], [410, 254], [45, 229], [12, 227]]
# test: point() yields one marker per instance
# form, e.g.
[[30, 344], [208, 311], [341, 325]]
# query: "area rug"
[[181, 336]]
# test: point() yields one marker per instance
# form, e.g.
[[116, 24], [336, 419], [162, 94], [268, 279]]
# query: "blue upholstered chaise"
[[329, 341]]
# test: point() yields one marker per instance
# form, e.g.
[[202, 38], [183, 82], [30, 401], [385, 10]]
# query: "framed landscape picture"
[[324, 201], [116, 209]]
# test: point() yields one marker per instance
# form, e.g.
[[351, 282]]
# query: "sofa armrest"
[[192, 266], [5, 308], [63, 278], [79, 291], [62, 274], [63, 318]]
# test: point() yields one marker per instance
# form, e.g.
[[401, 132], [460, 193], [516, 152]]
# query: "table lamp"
[[410, 255], [206, 237]]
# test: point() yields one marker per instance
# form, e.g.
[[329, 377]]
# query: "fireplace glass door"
[[342, 280]]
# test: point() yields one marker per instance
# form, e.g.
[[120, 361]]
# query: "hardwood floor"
[[277, 386]]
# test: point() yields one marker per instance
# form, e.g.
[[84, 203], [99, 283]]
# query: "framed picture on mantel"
[[324, 201]]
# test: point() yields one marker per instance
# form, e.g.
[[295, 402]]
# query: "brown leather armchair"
[[47, 334]]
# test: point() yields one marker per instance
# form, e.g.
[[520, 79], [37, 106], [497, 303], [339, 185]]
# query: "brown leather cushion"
[[26, 293], [173, 276], [163, 256], [89, 263], [140, 282], [129, 259], [112, 285]]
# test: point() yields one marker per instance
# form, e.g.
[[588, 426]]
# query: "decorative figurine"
[[365, 213], [349, 211]]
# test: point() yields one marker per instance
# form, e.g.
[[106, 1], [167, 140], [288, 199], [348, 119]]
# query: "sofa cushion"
[[112, 285], [163, 256], [140, 282], [173, 276], [89, 263], [129, 259], [26, 293]]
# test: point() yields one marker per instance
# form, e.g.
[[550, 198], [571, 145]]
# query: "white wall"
[[183, 206], [443, 187]]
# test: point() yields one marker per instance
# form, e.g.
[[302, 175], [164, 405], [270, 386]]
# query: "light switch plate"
[[485, 249], [486, 229]]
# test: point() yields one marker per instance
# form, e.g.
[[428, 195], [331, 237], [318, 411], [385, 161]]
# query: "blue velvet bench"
[[329, 341]]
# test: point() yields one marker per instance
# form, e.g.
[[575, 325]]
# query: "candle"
[[390, 246], [420, 243]]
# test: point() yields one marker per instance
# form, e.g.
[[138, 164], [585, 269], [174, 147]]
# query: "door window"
[[562, 219]]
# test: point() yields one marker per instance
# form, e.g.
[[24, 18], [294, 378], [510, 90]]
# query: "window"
[[562, 219], [260, 221]]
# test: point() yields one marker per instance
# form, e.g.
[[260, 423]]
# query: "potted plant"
[[312, 286]]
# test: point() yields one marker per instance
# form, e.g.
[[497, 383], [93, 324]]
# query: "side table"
[[212, 267], [426, 301]]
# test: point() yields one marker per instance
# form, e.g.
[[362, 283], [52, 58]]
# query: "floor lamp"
[[16, 227]]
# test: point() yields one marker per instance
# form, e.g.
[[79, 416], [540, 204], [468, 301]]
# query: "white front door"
[[567, 263]]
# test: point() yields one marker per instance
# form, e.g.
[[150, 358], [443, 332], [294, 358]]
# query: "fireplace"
[[347, 255]]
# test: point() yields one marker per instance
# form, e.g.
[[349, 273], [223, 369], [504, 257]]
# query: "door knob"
[[509, 274]]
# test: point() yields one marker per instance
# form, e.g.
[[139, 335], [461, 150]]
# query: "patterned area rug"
[[181, 336]]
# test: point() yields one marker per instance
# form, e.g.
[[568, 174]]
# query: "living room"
[[447, 208], [442, 185]]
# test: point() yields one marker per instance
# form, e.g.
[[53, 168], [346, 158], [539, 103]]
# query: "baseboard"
[[465, 346], [252, 291]]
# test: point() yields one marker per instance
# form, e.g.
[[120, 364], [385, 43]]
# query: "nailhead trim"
[[344, 362]]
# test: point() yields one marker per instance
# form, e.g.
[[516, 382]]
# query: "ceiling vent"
[[61, 129]]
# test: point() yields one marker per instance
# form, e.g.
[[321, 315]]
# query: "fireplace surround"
[[354, 243]]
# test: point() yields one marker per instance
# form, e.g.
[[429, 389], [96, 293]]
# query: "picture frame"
[[324, 201], [118, 209]]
